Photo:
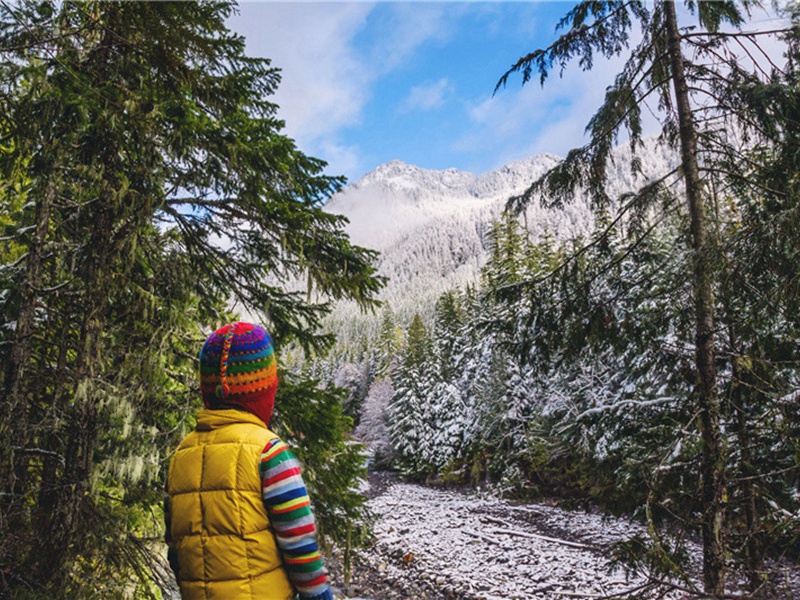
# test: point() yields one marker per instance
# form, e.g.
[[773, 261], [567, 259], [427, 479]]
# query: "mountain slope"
[[430, 226]]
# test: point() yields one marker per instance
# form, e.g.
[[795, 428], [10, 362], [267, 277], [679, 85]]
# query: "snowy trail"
[[439, 544], [442, 544], [459, 543]]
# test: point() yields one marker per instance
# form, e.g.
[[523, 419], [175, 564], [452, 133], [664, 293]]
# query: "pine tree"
[[448, 319], [150, 188], [412, 410], [759, 299], [658, 67], [387, 343]]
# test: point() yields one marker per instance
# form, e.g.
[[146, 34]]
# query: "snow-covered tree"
[[693, 75], [411, 411], [373, 427]]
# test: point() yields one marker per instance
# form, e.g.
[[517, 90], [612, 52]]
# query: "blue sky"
[[367, 83]]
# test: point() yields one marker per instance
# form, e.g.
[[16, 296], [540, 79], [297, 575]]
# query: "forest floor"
[[446, 544]]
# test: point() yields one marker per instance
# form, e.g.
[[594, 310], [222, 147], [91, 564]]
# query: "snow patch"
[[485, 548]]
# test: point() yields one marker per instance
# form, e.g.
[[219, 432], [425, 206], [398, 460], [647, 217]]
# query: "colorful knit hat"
[[238, 368]]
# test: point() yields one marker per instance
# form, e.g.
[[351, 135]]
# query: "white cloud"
[[520, 122], [327, 78], [324, 82], [340, 158], [409, 26], [426, 97]]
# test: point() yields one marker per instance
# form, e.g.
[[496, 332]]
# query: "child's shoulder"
[[256, 435]]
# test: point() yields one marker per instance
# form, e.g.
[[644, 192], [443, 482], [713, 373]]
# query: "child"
[[239, 521]]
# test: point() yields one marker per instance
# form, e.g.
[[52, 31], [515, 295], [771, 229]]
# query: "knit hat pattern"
[[238, 368]]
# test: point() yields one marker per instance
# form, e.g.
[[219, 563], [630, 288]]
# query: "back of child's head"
[[238, 369]]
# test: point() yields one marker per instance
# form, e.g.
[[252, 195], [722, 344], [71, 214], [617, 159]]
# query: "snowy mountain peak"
[[431, 226], [416, 183], [384, 172]]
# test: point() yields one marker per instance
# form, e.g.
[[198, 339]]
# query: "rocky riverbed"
[[444, 544]]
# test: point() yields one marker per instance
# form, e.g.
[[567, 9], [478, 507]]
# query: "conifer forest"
[[645, 367]]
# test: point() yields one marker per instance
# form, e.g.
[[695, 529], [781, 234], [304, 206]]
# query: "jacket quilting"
[[219, 527]]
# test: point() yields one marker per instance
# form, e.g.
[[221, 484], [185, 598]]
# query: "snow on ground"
[[437, 544], [463, 546]]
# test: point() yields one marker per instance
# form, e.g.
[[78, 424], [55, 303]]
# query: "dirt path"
[[439, 544]]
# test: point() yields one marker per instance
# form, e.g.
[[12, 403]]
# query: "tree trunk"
[[19, 357], [753, 551], [754, 559], [713, 463], [15, 428], [70, 502], [68, 499], [52, 477], [69, 510]]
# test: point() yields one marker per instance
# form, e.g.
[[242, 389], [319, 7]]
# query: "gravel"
[[444, 544]]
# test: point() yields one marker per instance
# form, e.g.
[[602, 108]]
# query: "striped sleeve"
[[289, 510]]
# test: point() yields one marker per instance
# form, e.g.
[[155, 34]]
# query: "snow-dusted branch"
[[622, 404], [544, 538]]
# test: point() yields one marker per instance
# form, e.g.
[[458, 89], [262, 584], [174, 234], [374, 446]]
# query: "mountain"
[[430, 226]]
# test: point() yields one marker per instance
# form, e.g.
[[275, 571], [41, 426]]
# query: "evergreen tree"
[[759, 299], [388, 343], [505, 242], [448, 319], [449, 415], [658, 67], [411, 411], [148, 187]]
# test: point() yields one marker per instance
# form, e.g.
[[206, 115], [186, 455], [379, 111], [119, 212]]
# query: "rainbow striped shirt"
[[289, 510]]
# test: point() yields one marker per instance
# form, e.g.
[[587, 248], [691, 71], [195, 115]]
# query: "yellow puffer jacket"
[[219, 526]]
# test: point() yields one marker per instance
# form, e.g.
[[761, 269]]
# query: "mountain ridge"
[[396, 172], [431, 226], [396, 198]]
